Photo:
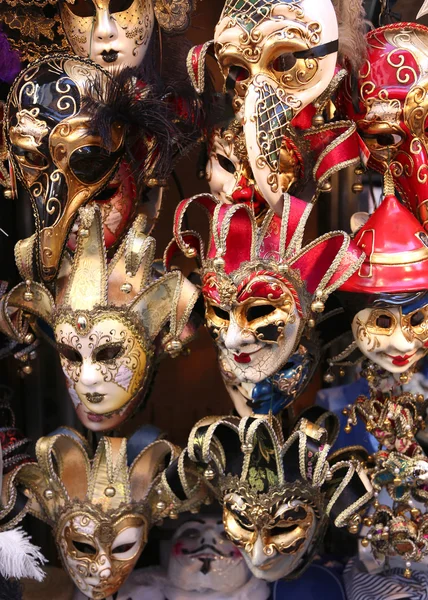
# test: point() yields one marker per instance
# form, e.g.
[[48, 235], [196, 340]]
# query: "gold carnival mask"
[[53, 151], [277, 57], [111, 322], [274, 491], [100, 509]]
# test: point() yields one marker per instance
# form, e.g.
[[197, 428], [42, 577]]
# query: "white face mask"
[[113, 33], [274, 551], [255, 337], [222, 169], [277, 57], [99, 555], [391, 339], [204, 559], [105, 368]]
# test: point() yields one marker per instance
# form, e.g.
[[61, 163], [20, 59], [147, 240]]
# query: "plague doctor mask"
[[277, 57], [274, 491]]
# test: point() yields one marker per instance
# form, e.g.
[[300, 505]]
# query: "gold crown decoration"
[[88, 283]]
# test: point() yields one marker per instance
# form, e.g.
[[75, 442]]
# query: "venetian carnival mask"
[[112, 33], [59, 160], [392, 108], [111, 322], [100, 510], [274, 508], [117, 33], [261, 288], [277, 57], [387, 294], [203, 558]]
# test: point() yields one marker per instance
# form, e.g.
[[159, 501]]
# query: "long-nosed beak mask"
[[277, 57]]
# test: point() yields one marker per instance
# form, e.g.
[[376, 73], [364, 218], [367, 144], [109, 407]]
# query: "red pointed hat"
[[396, 248]]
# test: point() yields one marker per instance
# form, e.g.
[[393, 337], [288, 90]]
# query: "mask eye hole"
[[81, 8], [122, 548], [237, 74], [262, 310], [84, 548], [119, 5], [91, 163], [384, 322], [417, 318], [226, 164], [70, 353], [284, 62], [108, 353], [388, 139], [220, 313]]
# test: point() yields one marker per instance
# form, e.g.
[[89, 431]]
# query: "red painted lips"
[[242, 358]]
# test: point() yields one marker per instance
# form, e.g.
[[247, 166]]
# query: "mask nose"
[[258, 555], [105, 27], [403, 342], [105, 563], [235, 336], [89, 375]]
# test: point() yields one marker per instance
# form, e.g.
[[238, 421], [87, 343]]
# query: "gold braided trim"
[[399, 259]]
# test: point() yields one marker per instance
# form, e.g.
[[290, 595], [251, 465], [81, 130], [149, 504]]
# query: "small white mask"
[[204, 559], [113, 33], [391, 339]]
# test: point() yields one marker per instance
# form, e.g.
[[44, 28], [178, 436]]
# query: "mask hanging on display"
[[113, 34], [100, 510], [391, 109], [277, 58], [274, 492], [111, 322], [263, 292], [65, 142]]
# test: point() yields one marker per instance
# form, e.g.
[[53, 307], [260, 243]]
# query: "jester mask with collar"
[[111, 321], [68, 126], [101, 507], [391, 108], [274, 492], [264, 292]]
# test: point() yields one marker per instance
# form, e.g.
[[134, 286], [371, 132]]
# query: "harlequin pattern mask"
[[277, 57], [392, 109], [260, 286], [100, 510], [110, 322], [113, 33], [273, 491], [202, 557], [59, 160]]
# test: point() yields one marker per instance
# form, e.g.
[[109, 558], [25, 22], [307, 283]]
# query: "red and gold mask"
[[393, 107]]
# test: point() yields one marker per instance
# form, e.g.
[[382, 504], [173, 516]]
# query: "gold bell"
[[8, 194], [396, 481], [420, 398], [219, 262], [407, 573], [318, 120], [342, 372], [311, 323], [84, 233], [358, 170], [174, 346], [209, 473], [110, 492], [404, 378], [365, 542], [353, 528], [326, 187], [357, 187], [173, 515], [348, 428], [368, 522], [160, 505], [48, 494], [329, 377], [190, 252], [126, 288], [29, 338], [317, 306]]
